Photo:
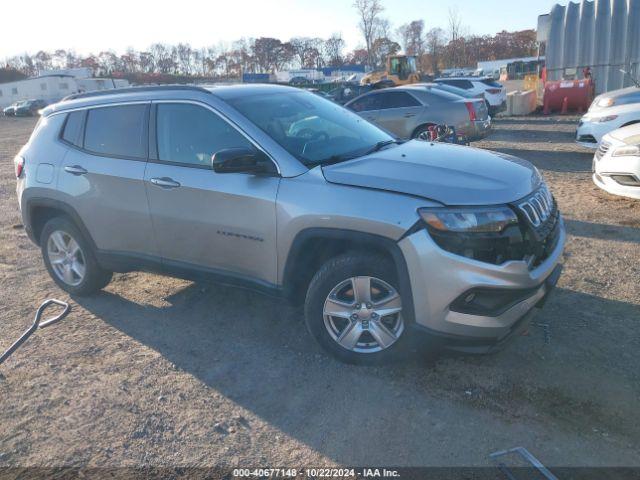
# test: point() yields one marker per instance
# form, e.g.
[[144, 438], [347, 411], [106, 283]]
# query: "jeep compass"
[[279, 190]]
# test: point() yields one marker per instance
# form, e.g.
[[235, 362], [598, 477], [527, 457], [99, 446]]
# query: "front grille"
[[541, 221], [587, 139], [537, 207], [602, 150]]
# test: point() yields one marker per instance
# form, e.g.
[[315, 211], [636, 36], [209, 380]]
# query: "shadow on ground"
[[256, 352], [602, 231]]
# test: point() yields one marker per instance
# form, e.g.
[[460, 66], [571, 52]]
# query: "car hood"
[[629, 135], [619, 93], [449, 174], [615, 94]]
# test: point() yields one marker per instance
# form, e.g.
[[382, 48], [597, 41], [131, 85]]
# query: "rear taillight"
[[19, 164], [494, 91], [472, 111]]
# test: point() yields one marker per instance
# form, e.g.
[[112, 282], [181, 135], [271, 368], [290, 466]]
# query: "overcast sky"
[[91, 26]]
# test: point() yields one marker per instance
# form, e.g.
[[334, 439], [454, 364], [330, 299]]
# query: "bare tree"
[[456, 38], [369, 23], [184, 55], [412, 37], [333, 48], [306, 51], [435, 41]]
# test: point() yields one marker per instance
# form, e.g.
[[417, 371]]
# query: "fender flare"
[[356, 238], [33, 203]]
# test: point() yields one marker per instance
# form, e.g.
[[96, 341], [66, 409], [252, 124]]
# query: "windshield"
[[311, 128]]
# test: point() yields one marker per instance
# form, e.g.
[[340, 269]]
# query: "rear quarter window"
[[117, 131], [466, 84], [491, 83], [72, 130]]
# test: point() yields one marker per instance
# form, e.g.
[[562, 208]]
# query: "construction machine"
[[401, 70]]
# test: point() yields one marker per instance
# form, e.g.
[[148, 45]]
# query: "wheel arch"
[[632, 122], [40, 210], [314, 246], [422, 125]]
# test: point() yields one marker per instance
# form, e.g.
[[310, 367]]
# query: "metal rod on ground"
[[38, 324]]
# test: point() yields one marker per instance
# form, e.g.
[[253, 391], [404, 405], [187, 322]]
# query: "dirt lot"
[[160, 372]]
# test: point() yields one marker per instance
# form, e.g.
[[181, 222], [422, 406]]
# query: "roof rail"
[[148, 88]]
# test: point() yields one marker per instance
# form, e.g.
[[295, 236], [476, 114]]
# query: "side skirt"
[[129, 262]]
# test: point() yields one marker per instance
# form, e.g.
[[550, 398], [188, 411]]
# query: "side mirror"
[[241, 160]]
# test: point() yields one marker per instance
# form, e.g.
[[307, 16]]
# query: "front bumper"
[[438, 278], [589, 134], [616, 175], [609, 185]]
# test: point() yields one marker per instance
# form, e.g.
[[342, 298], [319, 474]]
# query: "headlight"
[[608, 118], [606, 102], [626, 151], [469, 220]]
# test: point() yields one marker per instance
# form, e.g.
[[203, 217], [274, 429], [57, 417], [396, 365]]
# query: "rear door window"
[[72, 132], [365, 104], [491, 83], [117, 131], [397, 100]]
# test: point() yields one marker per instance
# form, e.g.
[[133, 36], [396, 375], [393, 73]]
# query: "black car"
[[29, 108], [10, 111], [347, 91]]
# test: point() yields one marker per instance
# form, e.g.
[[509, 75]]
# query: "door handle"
[[409, 115], [75, 170], [165, 182]]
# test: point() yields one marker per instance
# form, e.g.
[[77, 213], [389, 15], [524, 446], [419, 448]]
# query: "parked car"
[[615, 98], [409, 111], [596, 124], [299, 81], [29, 108], [10, 111], [616, 164], [348, 91], [495, 93], [459, 91], [381, 240]]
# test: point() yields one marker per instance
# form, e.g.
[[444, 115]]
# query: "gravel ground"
[[157, 371]]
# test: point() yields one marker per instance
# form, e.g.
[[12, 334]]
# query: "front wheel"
[[354, 309]]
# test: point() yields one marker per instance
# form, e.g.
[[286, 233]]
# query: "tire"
[[332, 288], [75, 270], [421, 129]]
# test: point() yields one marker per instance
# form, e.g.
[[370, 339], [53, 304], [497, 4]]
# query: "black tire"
[[332, 273], [421, 129], [95, 277]]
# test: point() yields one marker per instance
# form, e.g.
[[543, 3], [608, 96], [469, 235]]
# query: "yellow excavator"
[[401, 70]]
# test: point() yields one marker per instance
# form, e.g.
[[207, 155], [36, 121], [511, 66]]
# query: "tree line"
[[436, 49]]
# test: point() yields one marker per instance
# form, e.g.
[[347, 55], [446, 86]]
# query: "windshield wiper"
[[380, 145], [343, 158], [331, 160]]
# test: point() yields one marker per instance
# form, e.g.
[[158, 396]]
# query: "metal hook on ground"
[[37, 323]]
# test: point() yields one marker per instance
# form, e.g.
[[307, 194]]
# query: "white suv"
[[494, 93]]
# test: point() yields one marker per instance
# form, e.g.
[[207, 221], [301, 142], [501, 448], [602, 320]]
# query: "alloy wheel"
[[364, 314], [66, 258]]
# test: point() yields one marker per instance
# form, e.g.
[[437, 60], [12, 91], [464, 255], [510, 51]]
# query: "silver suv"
[[280, 190]]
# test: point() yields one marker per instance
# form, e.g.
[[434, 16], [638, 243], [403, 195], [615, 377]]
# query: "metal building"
[[601, 34]]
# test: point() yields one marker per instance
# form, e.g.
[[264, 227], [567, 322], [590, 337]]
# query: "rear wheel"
[[422, 132], [70, 259], [354, 309]]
